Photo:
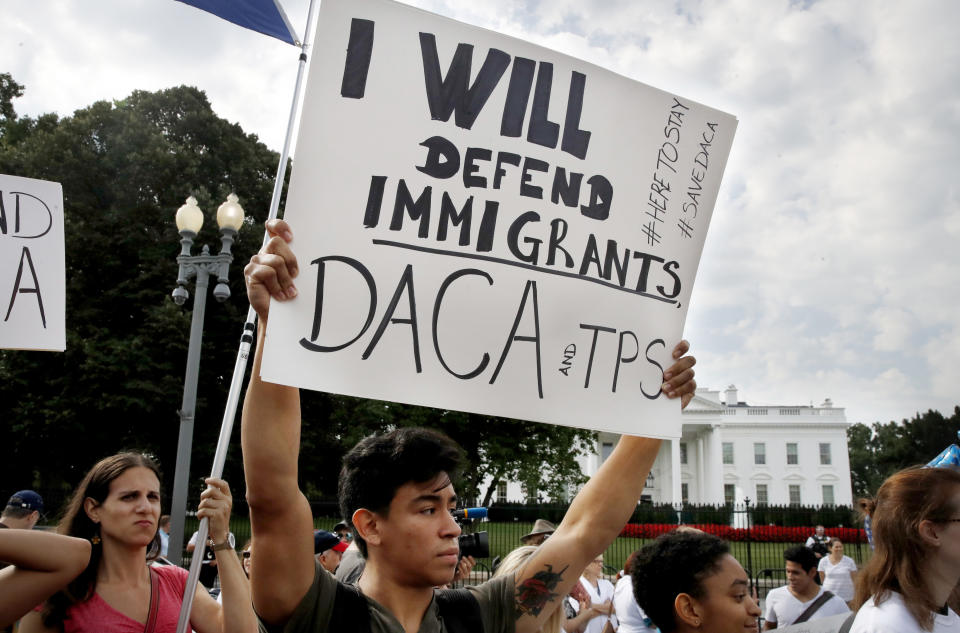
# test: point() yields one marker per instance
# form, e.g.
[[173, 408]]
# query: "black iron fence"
[[757, 535]]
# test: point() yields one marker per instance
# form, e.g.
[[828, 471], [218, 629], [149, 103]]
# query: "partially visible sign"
[[487, 225], [32, 268]]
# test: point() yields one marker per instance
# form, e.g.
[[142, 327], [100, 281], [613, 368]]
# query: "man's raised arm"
[[597, 514], [281, 569]]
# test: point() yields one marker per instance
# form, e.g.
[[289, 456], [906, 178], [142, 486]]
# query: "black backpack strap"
[[809, 611], [845, 627], [459, 611], [350, 611]]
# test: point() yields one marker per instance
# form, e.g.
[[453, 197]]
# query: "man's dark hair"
[[14, 512], [801, 555], [675, 563], [378, 465]]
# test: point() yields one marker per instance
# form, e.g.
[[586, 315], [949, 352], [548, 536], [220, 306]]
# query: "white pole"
[[246, 339]]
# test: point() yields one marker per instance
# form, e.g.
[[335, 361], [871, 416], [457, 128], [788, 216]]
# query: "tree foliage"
[[879, 451], [125, 167], [9, 90]]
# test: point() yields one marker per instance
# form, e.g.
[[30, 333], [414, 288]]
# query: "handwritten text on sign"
[[32, 277], [487, 225]]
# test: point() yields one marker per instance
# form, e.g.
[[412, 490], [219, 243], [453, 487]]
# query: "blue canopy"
[[950, 456]]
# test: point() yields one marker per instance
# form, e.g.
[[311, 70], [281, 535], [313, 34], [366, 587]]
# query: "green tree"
[[125, 167], [879, 451], [541, 455], [9, 90]]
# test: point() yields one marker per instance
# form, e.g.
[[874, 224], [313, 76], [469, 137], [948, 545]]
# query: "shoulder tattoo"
[[534, 593]]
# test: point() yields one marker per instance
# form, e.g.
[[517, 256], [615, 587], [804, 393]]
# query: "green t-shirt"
[[312, 615]]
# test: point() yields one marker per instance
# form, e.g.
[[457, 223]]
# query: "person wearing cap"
[[328, 549], [541, 530], [22, 511]]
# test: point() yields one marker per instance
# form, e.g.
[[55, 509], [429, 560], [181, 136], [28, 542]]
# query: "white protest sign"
[[32, 269], [487, 225]]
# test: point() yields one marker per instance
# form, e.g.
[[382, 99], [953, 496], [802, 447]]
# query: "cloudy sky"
[[832, 267]]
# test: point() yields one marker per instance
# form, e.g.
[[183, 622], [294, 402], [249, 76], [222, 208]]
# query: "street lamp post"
[[189, 220]]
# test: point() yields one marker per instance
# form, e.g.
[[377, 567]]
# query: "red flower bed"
[[762, 533]]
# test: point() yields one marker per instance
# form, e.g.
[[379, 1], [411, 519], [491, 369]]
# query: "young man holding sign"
[[405, 527]]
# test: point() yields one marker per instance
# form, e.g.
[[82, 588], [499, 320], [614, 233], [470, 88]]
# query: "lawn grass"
[[504, 537]]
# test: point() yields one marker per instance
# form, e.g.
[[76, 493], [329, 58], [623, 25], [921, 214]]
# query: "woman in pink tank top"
[[117, 508]]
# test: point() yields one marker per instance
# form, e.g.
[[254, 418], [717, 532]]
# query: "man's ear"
[[688, 610], [92, 508], [367, 526], [929, 532]]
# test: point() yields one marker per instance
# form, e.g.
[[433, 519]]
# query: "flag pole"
[[247, 337]]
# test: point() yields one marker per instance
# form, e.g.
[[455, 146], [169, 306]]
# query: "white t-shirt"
[[631, 616], [892, 617], [784, 608], [601, 594], [836, 578]]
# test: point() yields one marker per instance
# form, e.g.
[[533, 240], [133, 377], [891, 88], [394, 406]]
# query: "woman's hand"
[[678, 380], [464, 567], [215, 505]]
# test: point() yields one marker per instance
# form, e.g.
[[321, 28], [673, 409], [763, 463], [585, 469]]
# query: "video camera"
[[476, 544]]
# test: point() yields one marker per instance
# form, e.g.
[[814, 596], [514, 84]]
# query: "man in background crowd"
[[342, 530], [163, 531], [541, 530], [328, 549], [22, 511], [801, 599], [818, 542]]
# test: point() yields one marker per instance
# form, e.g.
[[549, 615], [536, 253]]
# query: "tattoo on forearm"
[[534, 593]]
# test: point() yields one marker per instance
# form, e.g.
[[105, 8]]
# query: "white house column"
[[716, 465], [675, 471], [701, 475]]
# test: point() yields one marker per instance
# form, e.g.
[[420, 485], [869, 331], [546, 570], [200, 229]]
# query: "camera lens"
[[476, 545]]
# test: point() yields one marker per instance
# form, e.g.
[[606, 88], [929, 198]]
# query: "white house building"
[[730, 451]]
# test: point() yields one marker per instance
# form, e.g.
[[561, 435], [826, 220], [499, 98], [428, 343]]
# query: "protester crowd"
[[389, 565]]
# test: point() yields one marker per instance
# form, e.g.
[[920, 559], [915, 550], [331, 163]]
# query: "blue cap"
[[323, 540], [26, 499]]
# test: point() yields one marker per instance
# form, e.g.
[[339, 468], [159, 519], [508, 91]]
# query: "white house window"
[[792, 453], [501, 491], [794, 490], [762, 497], [825, 459], [759, 453], [530, 493], [683, 452], [685, 493], [728, 452], [729, 493], [828, 495]]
